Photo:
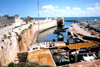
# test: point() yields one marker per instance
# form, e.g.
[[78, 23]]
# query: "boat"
[[77, 40], [70, 40], [65, 28], [82, 56], [60, 37], [62, 30], [69, 33], [89, 57], [75, 35], [56, 32]]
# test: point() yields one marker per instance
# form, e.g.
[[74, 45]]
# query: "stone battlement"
[[4, 20]]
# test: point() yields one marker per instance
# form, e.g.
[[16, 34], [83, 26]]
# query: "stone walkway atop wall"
[[47, 44]]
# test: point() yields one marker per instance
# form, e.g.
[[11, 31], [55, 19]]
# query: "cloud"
[[90, 8], [48, 7], [67, 8], [56, 6], [95, 8], [96, 3], [91, 4], [75, 8], [55, 11]]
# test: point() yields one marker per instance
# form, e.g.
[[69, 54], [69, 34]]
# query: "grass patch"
[[16, 27], [34, 23], [45, 66], [80, 34], [90, 31], [11, 65], [9, 33], [25, 64], [22, 31], [84, 25], [46, 29], [23, 24], [19, 37], [30, 26], [10, 43], [9, 37], [0, 64], [66, 66], [5, 36]]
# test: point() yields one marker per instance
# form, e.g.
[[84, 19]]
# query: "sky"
[[50, 8]]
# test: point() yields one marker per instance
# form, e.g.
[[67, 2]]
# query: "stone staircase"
[[16, 60]]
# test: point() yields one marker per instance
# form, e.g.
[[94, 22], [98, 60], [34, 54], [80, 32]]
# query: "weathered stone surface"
[[9, 47], [42, 56]]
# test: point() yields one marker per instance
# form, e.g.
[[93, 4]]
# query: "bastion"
[[19, 36]]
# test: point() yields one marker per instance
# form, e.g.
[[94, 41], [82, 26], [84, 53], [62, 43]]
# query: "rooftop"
[[79, 45]]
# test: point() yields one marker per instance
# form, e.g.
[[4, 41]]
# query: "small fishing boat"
[[65, 28], [89, 57], [69, 33], [60, 37], [56, 32], [62, 30]]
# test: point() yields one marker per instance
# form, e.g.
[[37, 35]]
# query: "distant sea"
[[71, 18], [74, 18]]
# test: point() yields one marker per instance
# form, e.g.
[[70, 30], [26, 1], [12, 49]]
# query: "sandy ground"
[[76, 29]]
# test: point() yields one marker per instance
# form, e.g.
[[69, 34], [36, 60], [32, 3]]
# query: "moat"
[[49, 35]]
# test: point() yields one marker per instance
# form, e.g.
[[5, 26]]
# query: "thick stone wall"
[[8, 49], [20, 39], [28, 35]]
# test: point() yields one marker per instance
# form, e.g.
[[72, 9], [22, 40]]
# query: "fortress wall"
[[10, 46]]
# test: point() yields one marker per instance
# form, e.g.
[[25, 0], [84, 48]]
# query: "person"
[[71, 40]]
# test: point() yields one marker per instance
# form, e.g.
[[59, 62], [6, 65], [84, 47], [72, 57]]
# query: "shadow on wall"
[[22, 56]]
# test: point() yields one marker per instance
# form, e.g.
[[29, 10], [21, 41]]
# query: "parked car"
[[64, 59]]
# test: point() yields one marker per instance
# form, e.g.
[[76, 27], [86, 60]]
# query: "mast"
[[38, 22]]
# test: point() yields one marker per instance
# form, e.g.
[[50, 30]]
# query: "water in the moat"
[[49, 35]]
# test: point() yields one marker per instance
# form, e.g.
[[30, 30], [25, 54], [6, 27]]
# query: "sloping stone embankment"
[[19, 39]]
